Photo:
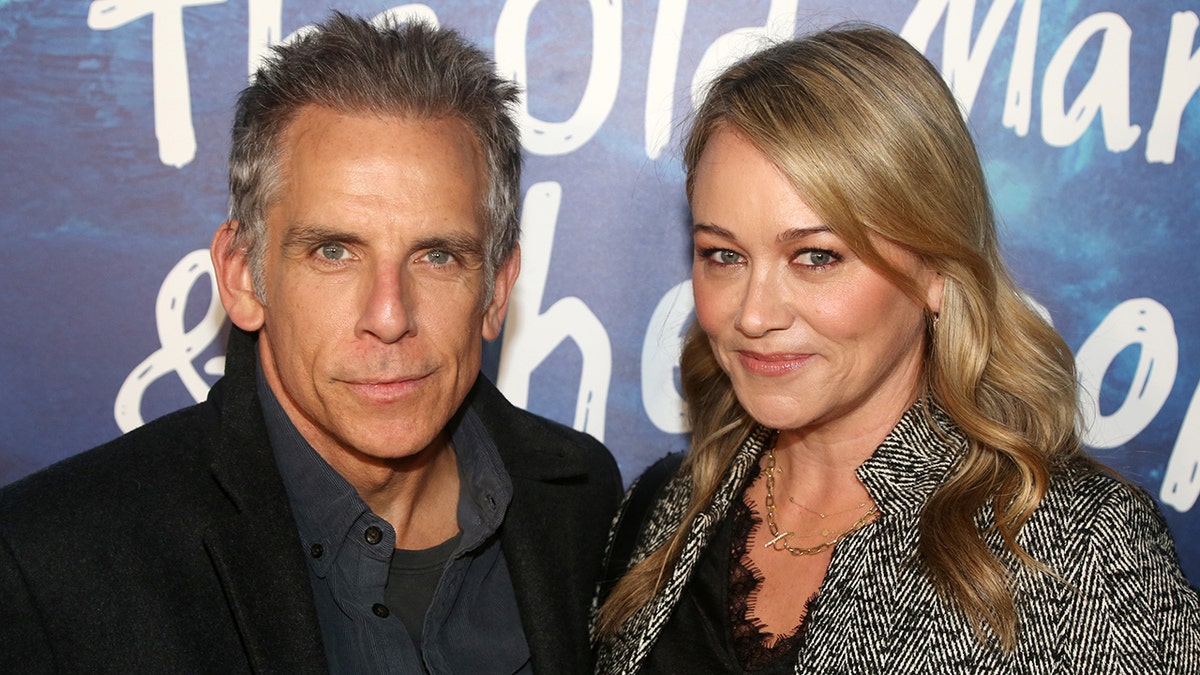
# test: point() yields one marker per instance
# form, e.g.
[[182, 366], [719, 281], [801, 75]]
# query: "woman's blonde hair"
[[868, 133]]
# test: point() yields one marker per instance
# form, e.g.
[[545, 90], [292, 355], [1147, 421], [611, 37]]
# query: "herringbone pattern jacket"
[[1120, 604]]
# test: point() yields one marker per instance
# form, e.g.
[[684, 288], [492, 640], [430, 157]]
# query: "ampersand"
[[180, 346]]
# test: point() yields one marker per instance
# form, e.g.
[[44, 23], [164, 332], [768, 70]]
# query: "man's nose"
[[387, 311]]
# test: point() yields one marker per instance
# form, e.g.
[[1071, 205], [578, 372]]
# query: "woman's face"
[[810, 336]]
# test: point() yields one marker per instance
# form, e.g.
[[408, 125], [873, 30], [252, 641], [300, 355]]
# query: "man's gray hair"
[[350, 65]]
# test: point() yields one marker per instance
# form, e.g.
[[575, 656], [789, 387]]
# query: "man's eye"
[[439, 257], [333, 251]]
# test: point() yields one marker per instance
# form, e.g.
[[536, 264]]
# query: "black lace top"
[[709, 631]]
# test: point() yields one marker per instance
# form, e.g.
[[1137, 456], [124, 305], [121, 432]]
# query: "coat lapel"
[[255, 550], [270, 598], [635, 639], [542, 574], [553, 552]]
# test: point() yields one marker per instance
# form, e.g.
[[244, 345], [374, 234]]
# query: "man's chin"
[[385, 441]]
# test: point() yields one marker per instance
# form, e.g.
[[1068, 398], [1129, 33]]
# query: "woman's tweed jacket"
[[1121, 606]]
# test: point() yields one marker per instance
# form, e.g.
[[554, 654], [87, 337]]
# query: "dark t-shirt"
[[412, 579]]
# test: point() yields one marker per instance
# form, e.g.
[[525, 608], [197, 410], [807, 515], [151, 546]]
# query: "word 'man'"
[[964, 61]]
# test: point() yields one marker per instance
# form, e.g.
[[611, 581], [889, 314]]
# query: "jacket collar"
[[900, 475], [912, 461], [242, 462], [553, 459]]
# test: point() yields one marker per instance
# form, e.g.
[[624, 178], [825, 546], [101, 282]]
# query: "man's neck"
[[417, 495]]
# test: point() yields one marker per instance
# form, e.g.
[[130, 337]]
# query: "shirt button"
[[380, 610], [316, 550], [373, 535]]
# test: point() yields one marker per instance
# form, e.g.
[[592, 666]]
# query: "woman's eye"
[[333, 251], [817, 258], [722, 256]]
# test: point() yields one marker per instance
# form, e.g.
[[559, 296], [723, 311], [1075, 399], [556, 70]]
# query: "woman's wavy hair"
[[866, 130]]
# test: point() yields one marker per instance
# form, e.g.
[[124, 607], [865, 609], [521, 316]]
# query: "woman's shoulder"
[[1083, 492], [660, 496], [1114, 577], [662, 469], [642, 510], [1092, 522]]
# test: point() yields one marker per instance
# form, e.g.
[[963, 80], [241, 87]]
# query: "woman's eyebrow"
[[787, 235], [715, 230], [801, 232]]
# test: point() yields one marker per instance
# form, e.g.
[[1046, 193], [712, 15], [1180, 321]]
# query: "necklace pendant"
[[781, 535]]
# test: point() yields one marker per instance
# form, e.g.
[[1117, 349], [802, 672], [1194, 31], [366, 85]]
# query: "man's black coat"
[[173, 548]]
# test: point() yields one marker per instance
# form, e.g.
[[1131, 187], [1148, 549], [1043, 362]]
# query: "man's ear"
[[231, 265], [506, 278]]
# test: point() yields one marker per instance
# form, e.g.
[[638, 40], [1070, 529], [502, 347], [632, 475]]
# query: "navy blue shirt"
[[472, 624]]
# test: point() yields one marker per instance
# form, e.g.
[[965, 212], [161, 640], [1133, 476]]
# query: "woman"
[[885, 474]]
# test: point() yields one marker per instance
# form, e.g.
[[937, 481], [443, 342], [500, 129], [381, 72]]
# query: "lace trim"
[[753, 645]]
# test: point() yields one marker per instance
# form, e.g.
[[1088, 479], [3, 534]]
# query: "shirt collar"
[[325, 506], [485, 488]]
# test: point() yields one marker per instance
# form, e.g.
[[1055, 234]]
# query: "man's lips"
[[775, 363], [386, 389]]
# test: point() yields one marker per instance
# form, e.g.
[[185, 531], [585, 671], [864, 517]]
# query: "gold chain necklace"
[[823, 516], [779, 540]]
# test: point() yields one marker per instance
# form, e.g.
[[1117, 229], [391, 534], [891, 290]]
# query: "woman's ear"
[[935, 286], [235, 283]]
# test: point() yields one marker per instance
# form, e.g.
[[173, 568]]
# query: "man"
[[353, 495]]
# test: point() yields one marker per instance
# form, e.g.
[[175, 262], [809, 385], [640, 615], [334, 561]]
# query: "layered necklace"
[[779, 540]]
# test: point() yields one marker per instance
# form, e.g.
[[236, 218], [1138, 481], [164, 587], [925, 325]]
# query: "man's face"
[[374, 280]]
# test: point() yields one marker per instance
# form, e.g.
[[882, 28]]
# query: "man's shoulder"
[[161, 455], [551, 432], [543, 451], [502, 418]]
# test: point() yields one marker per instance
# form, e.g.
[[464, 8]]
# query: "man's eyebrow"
[[304, 237], [455, 243], [309, 236]]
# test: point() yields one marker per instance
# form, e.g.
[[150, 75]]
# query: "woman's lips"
[[778, 363]]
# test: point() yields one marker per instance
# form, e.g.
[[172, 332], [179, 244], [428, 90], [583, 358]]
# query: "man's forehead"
[[378, 180], [323, 146], [316, 114]]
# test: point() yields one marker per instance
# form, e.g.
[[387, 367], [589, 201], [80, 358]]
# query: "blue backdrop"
[[113, 133]]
